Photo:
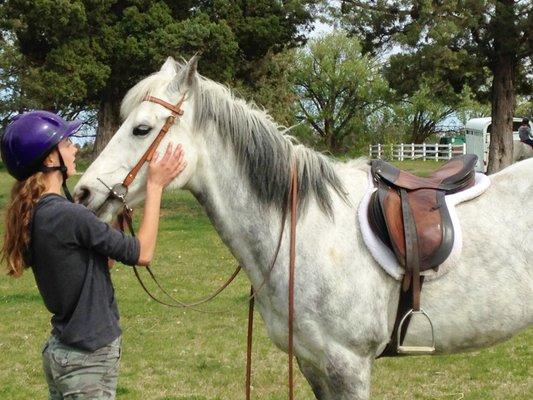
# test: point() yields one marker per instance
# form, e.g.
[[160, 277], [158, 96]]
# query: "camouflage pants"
[[74, 374]]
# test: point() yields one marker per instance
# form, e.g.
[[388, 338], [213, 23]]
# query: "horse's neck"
[[248, 228]]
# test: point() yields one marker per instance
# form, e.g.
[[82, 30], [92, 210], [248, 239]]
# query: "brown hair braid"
[[24, 196]]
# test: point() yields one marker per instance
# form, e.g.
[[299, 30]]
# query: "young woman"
[[68, 249]]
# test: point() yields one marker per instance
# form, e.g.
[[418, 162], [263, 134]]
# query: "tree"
[[271, 86], [11, 73], [420, 88], [83, 55], [524, 107], [337, 87], [471, 43]]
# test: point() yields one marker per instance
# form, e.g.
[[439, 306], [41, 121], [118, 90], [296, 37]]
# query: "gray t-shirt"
[[68, 254]]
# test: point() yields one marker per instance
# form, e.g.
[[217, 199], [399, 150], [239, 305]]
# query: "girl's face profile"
[[68, 151]]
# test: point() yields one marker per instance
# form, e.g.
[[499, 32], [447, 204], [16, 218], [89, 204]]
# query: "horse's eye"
[[141, 130]]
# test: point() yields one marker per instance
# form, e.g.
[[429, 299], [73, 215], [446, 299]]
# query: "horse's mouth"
[[107, 210]]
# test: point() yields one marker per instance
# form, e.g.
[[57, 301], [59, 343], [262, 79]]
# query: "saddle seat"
[[409, 213]]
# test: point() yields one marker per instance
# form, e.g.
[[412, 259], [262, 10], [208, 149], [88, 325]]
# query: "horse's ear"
[[186, 77], [169, 67], [191, 68]]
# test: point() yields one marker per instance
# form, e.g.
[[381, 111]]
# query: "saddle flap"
[[432, 223]]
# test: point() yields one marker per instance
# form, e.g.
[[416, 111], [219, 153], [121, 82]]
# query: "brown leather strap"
[[147, 156], [405, 304], [292, 202], [278, 246], [412, 256], [292, 264], [249, 337], [126, 217], [176, 109]]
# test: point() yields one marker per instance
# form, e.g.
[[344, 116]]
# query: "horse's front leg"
[[316, 379], [342, 375]]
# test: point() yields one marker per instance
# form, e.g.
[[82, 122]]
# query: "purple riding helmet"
[[29, 138]]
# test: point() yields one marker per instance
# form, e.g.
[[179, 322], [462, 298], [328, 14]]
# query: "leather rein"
[[120, 191]]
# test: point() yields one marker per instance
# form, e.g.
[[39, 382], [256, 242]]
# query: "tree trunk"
[[420, 133], [333, 143], [503, 99], [336, 146], [503, 93], [108, 124], [421, 128]]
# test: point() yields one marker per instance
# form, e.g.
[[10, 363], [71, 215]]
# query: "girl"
[[68, 249]]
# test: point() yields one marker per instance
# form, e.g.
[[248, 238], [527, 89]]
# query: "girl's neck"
[[54, 180]]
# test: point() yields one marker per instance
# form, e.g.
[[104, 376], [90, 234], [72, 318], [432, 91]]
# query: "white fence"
[[411, 151]]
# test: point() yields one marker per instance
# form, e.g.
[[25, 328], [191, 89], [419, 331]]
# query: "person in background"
[[68, 249], [524, 132]]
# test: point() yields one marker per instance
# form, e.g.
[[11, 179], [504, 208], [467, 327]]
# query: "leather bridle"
[[120, 190]]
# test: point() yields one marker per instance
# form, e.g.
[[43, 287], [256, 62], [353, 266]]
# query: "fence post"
[[401, 151], [379, 151], [370, 151], [424, 151], [464, 148], [449, 151], [436, 152], [412, 151]]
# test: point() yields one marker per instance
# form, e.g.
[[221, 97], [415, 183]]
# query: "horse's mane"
[[262, 147]]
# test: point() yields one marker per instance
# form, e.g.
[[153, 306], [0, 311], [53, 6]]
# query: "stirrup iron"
[[415, 350]]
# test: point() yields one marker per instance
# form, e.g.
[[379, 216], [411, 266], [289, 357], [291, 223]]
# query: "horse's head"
[[143, 121]]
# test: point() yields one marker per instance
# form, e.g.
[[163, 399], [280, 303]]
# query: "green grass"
[[185, 355]]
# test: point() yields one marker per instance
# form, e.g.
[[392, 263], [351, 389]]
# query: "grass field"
[[173, 354]]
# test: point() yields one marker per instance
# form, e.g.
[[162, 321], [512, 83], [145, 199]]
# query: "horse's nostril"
[[82, 195]]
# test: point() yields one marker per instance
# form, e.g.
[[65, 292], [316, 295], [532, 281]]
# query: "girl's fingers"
[[168, 152], [179, 168], [171, 152]]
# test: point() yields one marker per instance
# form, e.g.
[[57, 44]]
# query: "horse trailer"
[[477, 135]]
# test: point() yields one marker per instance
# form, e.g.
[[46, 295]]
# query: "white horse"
[[238, 163], [521, 151]]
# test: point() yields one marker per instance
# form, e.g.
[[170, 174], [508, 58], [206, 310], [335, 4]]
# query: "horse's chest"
[[275, 321]]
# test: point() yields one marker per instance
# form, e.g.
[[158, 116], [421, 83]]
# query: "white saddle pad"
[[386, 257]]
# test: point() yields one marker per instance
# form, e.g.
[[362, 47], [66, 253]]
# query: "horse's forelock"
[[147, 86]]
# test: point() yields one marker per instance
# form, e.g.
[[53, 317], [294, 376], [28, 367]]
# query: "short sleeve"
[[92, 233]]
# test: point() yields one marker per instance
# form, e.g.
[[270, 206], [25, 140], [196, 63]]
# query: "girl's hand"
[[162, 171]]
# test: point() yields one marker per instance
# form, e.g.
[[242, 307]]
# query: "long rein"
[[120, 191]]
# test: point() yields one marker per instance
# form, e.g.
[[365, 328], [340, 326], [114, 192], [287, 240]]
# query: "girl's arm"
[[160, 174]]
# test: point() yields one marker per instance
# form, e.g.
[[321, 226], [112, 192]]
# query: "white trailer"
[[477, 138]]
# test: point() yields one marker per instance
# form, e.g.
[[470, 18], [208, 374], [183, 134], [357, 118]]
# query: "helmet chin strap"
[[62, 167]]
